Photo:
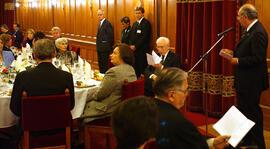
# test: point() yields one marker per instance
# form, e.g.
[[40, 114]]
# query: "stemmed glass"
[[57, 63]]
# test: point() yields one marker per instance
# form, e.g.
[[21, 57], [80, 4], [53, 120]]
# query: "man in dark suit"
[[249, 59], [17, 35], [169, 59], [125, 35], [104, 41], [43, 80], [140, 39], [175, 131]]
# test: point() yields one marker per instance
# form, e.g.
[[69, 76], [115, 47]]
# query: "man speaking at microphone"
[[249, 60]]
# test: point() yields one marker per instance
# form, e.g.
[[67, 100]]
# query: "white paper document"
[[234, 124], [153, 59]]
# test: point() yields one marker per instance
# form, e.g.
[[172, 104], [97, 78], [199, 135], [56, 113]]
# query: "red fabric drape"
[[198, 24], [7, 16]]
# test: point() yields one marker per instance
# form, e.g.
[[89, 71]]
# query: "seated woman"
[[29, 38], [64, 55], [7, 54], [108, 95]]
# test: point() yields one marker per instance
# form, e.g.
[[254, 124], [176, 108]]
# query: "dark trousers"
[[140, 63], [248, 104], [103, 61]]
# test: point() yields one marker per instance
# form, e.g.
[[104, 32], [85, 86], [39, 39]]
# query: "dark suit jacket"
[[140, 37], [43, 80], [172, 60], [251, 73], [105, 37], [18, 38], [175, 131], [125, 35]]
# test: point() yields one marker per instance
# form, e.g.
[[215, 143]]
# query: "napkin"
[[80, 61], [88, 72], [64, 67]]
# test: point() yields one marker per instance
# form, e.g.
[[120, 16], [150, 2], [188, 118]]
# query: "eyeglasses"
[[186, 92]]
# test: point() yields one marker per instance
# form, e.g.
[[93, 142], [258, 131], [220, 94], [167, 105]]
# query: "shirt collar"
[[251, 24], [139, 21], [101, 22], [165, 55]]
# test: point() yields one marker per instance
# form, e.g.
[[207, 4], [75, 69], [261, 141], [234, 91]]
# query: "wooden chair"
[[76, 50], [46, 121], [103, 126]]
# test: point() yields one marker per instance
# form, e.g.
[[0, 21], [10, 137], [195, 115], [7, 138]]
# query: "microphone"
[[227, 30]]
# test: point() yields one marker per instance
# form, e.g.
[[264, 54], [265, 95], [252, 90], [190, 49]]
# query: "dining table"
[[81, 93]]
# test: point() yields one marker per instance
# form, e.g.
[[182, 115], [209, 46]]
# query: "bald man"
[[249, 60]]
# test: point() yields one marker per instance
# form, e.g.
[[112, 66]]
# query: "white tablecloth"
[[8, 119]]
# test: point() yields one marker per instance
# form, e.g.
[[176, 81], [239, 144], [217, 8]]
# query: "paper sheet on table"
[[235, 124], [153, 59]]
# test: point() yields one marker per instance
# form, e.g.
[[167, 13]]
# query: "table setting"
[[84, 84]]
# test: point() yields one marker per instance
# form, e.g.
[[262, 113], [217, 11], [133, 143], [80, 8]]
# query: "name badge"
[[139, 31]]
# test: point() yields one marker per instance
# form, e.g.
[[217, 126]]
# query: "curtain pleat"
[[198, 24]]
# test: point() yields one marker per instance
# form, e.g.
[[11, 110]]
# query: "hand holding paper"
[[226, 53], [235, 124], [153, 59]]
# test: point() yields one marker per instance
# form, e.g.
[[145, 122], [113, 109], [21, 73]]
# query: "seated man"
[[135, 122], [43, 80], [175, 131], [169, 59]]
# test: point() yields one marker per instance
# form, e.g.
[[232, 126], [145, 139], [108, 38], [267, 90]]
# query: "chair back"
[[76, 50], [132, 89], [46, 112]]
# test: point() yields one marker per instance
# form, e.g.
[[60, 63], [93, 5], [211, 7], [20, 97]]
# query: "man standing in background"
[[104, 41], [17, 35], [140, 40]]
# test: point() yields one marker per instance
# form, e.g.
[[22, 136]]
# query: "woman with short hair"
[[108, 95], [7, 54], [63, 53]]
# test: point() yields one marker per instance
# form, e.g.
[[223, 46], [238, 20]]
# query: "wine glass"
[[57, 63]]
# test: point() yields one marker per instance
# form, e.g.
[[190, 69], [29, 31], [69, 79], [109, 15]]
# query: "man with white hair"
[[169, 59], [56, 32], [104, 41]]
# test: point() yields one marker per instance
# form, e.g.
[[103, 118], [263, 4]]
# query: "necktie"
[[162, 59]]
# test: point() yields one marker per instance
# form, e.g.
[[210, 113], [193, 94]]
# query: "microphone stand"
[[204, 57]]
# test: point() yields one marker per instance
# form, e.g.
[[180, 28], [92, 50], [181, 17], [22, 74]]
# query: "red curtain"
[[198, 23], [7, 16]]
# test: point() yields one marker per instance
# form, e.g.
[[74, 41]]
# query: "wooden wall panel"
[[78, 18]]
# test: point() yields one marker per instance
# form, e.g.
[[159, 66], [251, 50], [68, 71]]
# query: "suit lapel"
[[246, 35]]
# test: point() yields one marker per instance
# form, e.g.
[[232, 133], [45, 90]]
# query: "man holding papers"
[[175, 131], [168, 59], [249, 59]]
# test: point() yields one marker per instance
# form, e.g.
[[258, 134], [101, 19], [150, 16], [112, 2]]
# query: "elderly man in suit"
[[18, 35], [42, 80], [175, 131], [169, 59], [140, 40], [249, 60], [104, 41]]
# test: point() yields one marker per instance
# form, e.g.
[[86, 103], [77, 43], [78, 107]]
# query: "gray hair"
[[56, 28], [163, 38], [250, 11], [169, 79], [44, 49], [101, 11], [59, 41]]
